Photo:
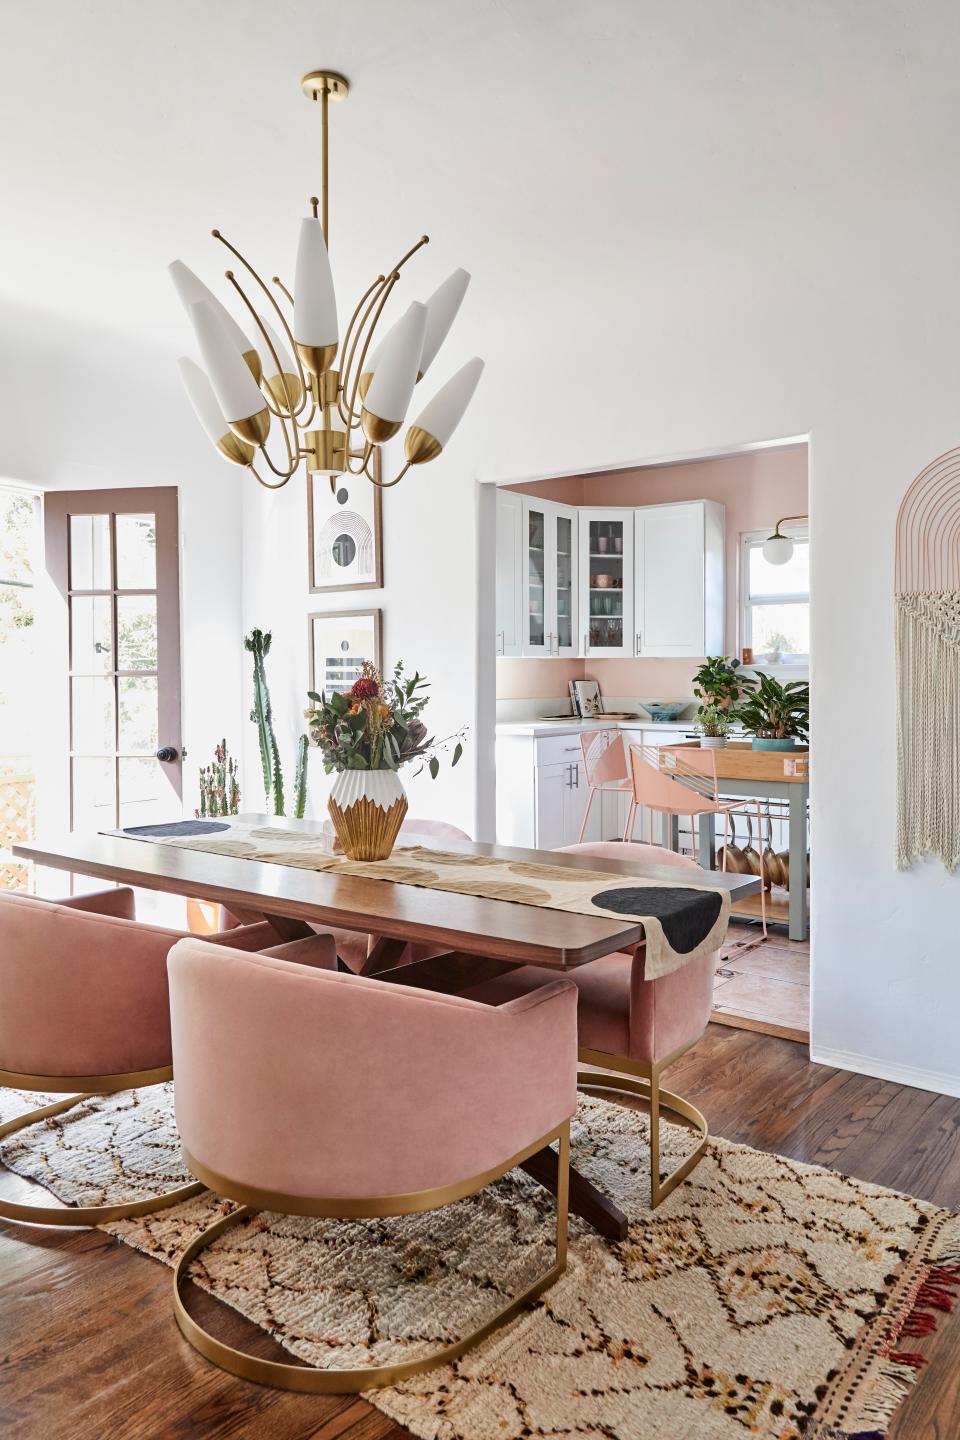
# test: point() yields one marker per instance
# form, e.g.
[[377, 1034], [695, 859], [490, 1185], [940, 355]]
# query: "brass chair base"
[[308, 1379], [82, 1214], [644, 1080]]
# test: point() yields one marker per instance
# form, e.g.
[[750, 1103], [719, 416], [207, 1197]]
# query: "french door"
[[113, 557]]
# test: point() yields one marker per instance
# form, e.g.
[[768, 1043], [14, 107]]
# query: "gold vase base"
[[365, 830]]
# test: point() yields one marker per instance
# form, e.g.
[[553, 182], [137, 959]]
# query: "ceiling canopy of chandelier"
[[334, 419]]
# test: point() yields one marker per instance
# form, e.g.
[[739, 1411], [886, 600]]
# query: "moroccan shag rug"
[[764, 1298]]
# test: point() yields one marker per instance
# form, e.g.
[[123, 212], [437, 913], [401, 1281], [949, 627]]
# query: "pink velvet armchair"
[[84, 1008], [628, 1024], [314, 1092]]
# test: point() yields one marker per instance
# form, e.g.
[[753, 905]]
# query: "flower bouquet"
[[365, 734]]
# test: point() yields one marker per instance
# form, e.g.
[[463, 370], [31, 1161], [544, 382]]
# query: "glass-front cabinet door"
[[606, 582], [550, 568]]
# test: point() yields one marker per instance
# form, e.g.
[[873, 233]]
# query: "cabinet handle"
[[638, 643], [586, 647], [575, 776], [501, 641]]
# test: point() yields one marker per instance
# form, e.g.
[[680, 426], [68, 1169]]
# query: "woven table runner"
[[681, 921]]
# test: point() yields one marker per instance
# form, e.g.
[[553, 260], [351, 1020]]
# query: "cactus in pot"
[[258, 644]]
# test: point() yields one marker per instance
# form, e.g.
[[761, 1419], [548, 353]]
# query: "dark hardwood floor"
[[89, 1348]]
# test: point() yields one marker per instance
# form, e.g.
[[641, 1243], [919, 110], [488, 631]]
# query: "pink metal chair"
[[674, 780], [313, 1092], [605, 766], [626, 1023], [84, 1008]]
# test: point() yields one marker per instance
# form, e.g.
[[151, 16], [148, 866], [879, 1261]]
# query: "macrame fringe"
[[928, 727], [935, 1292]]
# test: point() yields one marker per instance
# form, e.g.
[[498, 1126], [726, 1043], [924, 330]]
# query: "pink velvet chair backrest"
[[81, 993], [674, 1009], [439, 829], [604, 757], [313, 1083]]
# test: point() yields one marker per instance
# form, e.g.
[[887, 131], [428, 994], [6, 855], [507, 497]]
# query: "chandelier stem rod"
[[324, 109]]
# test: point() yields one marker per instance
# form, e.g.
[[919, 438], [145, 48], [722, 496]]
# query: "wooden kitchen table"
[[465, 925]]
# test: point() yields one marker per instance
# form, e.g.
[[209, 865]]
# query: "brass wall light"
[[777, 548], [335, 401]]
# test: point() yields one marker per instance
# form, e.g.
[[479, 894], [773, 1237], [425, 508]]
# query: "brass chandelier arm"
[[345, 375], [267, 484], [280, 286], [383, 296], [386, 484], [283, 319], [349, 418]]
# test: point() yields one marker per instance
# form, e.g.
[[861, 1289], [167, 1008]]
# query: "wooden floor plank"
[[90, 1347]]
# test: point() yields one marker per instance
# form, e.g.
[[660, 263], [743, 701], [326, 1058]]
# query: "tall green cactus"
[[258, 644]]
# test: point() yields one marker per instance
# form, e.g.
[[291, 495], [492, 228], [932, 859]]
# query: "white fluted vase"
[[367, 808]]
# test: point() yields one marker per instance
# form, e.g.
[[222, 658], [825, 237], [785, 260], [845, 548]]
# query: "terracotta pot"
[[367, 808]]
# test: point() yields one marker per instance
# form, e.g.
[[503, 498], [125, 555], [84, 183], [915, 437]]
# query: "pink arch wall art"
[[927, 598]]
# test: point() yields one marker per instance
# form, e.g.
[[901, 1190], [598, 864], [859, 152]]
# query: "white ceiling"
[[547, 146]]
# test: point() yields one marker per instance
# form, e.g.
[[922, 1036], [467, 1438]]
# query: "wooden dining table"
[[475, 936]]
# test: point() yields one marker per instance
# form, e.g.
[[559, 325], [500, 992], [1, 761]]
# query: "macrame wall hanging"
[[927, 585]]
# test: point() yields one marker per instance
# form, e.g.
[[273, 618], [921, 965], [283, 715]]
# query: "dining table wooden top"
[[502, 929]]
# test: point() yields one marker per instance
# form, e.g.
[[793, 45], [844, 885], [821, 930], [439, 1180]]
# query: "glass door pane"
[[564, 581], [605, 563], [536, 574]]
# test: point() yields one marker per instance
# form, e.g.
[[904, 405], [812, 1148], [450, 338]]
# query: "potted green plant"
[[720, 682], [776, 715], [713, 725]]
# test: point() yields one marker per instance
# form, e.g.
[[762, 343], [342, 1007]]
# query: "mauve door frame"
[[162, 502]]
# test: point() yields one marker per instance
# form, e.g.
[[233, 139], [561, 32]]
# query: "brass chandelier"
[[333, 419]]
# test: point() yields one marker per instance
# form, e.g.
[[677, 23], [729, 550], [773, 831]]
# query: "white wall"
[[88, 409], [429, 620]]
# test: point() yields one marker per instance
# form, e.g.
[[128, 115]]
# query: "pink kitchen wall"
[[755, 488]]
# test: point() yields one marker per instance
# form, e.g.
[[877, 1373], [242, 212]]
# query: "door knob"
[[166, 753]]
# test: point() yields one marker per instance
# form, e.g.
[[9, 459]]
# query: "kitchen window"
[[775, 602]]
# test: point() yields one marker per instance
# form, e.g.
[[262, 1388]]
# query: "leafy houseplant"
[[713, 724], [365, 735], [777, 715], [258, 645], [720, 682]]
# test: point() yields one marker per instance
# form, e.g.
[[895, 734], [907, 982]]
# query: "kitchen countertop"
[[573, 726]]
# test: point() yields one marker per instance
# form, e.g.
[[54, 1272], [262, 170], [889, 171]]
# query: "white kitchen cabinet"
[[561, 799], [509, 572], [679, 590], [542, 792], [549, 601], [606, 583]]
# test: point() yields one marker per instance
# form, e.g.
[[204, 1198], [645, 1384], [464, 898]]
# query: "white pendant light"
[[192, 291], [210, 415], [236, 391], [441, 416], [442, 310], [314, 300], [280, 375], [396, 374]]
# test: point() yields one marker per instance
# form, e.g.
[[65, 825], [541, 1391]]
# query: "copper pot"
[[772, 864], [752, 856], [736, 862]]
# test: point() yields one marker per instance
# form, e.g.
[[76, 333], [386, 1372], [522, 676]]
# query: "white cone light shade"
[[397, 367], [235, 389], [287, 362], [438, 420], [314, 299], [193, 291], [442, 308], [202, 399], [778, 549]]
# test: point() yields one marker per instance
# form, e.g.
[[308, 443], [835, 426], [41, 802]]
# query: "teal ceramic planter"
[[760, 743]]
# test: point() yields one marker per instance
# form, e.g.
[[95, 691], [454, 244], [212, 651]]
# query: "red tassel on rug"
[[934, 1293], [908, 1357]]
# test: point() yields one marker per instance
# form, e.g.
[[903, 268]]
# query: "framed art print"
[[339, 643], [344, 532]]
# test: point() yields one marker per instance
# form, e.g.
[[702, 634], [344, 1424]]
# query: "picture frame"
[[338, 642], [344, 532]]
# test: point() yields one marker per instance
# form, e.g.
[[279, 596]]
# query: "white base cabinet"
[[542, 793]]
